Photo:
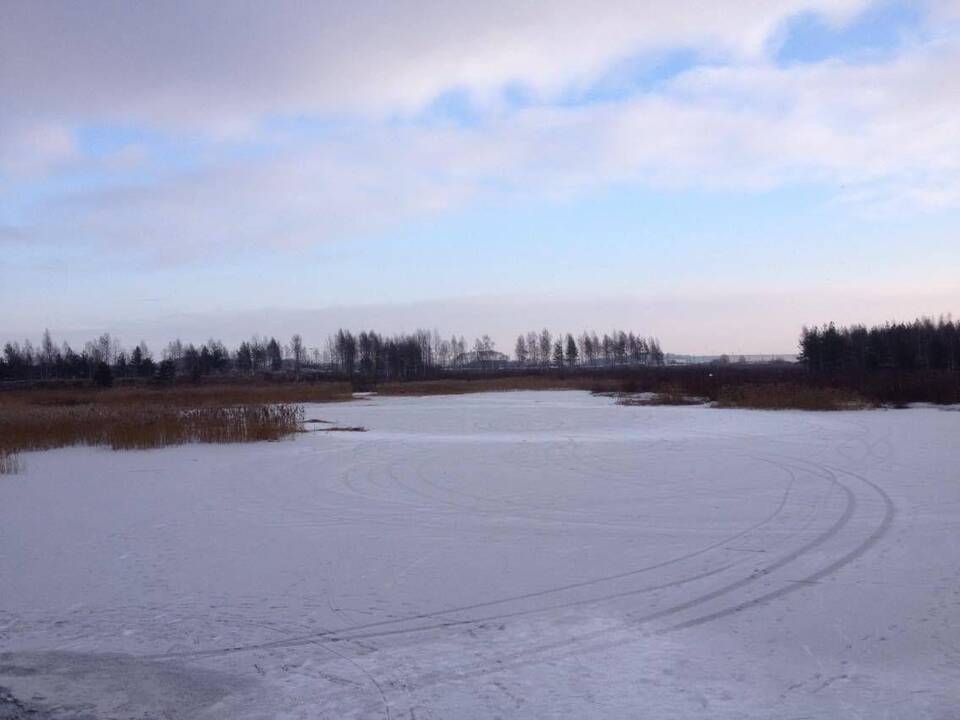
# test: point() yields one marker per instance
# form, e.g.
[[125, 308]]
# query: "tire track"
[[501, 663], [356, 632]]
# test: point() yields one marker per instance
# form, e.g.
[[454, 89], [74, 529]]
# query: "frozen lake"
[[515, 555]]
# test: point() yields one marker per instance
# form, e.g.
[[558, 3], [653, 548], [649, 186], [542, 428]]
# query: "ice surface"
[[530, 555]]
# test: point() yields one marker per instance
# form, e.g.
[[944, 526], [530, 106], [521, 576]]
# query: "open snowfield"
[[514, 555]]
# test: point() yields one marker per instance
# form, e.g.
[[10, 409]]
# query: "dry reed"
[[183, 396], [9, 462], [459, 386], [789, 397], [123, 420]]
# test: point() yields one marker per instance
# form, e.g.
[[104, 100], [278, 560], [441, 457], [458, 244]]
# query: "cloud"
[[30, 150], [219, 67], [882, 134]]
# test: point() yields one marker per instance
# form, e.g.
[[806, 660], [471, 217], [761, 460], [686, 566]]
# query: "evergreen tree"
[[103, 375], [558, 353], [571, 350]]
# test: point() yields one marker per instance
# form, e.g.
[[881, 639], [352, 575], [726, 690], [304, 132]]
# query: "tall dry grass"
[[147, 417], [183, 396], [139, 419], [780, 396], [460, 386], [9, 463]]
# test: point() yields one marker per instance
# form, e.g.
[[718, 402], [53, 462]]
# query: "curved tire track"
[[358, 632]]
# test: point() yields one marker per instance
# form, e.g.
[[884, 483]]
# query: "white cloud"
[[221, 66], [885, 133], [31, 150]]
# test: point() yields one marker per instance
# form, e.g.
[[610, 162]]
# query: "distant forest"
[[368, 355], [872, 360], [918, 346]]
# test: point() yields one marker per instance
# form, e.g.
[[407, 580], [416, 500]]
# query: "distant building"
[[481, 360]]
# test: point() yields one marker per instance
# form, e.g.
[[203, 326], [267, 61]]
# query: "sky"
[[716, 174]]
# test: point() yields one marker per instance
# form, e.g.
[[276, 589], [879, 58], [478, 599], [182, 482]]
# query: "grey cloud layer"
[[886, 131], [210, 64]]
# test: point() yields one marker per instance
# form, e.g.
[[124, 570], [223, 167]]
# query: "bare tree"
[[546, 342], [619, 347], [436, 348], [174, 351], [443, 353], [345, 345], [521, 350], [655, 353], [586, 348], [48, 354], [533, 347], [483, 344]]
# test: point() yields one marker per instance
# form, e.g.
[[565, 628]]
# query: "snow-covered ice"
[[528, 555]]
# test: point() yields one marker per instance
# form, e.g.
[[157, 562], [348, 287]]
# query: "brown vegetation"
[[33, 427], [138, 418], [9, 462], [238, 410], [192, 395], [459, 386], [789, 397]]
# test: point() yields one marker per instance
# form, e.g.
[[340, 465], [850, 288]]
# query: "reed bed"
[[460, 386], [9, 462], [182, 396], [779, 396], [28, 426]]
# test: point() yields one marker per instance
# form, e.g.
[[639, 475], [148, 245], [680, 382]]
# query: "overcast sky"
[[713, 173]]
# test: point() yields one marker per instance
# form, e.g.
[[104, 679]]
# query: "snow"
[[527, 555]]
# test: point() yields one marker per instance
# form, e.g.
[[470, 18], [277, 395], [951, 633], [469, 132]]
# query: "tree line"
[[921, 345], [367, 354], [916, 346], [589, 349]]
